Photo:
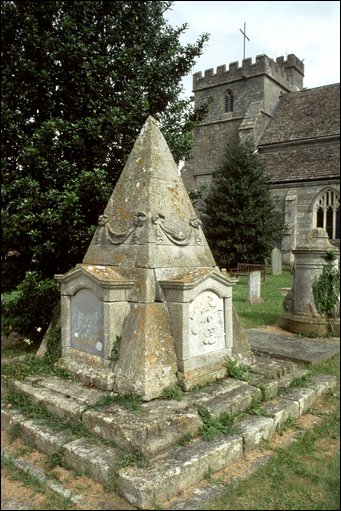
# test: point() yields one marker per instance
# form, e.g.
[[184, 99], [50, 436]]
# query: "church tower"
[[244, 101]]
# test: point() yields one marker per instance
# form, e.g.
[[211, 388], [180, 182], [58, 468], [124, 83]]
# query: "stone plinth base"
[[310, 325], [87, 369], [201, 376], [173, 467]]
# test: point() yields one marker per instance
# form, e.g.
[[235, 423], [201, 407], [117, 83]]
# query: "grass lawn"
[[270, 310]]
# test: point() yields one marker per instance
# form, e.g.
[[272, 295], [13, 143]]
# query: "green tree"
[[79, 80], [240, 220]]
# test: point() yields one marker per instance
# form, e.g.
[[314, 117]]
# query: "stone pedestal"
[[94, 304], [200, 312], [301, 315]]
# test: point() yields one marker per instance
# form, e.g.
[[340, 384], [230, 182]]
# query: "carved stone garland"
[[106, 233]]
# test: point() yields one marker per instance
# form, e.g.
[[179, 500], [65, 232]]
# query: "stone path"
[[284, 345]]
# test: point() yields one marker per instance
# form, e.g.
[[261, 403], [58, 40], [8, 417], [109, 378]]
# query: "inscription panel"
[[206, 324], [87, 327]]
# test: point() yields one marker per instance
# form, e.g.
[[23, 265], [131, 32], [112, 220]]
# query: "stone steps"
[[151, 437], [38, 474], [159, 423], [72, 483]]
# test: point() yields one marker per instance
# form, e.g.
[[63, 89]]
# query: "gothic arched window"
[[327, 213], [229, 101]]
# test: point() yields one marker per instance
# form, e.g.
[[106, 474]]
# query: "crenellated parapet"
[[289, 73]]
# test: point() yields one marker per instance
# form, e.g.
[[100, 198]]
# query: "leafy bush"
[[237, 370], [326, 287], [172, 393], [215, 426], [29, 308]]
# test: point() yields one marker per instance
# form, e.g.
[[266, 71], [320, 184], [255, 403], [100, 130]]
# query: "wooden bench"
[[246, 268]]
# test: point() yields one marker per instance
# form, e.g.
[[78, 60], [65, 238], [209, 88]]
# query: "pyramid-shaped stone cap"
[[149, 221]]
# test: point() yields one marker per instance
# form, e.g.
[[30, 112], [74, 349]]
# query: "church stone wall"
[[289, 73], [211, 143], [301, 200], [256, 89]]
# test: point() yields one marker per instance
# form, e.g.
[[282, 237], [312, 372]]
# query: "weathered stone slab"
[[152, 430], [304, 396], [194, 377], [280, 410], [271, 368], [86, 457], [321, 383], [289, 347], [231, 397], [10, 417], [272, 374], [34, 431], [70, 389], [171, 474], [287, 380], [56, 404], [87, 368], [269, 388], [254, 429]]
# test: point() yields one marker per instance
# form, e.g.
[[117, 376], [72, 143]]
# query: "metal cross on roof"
[[245, 37]]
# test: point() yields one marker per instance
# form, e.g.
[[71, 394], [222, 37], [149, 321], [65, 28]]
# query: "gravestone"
[[300, 313], [276, 261], [254, 287], [148, 307]]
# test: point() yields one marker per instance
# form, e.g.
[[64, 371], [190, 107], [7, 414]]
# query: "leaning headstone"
[[276, 261], [254, 287], [148, 308]]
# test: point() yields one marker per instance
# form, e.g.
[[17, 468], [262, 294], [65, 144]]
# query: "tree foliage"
[[79, 80], [240, 220]]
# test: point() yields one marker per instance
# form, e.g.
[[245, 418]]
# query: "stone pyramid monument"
[[149, 221], [148, 308]]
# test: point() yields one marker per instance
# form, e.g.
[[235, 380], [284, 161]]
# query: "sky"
[[309, 29]]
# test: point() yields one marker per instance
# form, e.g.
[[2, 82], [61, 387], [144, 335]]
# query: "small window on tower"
[[229, 101]]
